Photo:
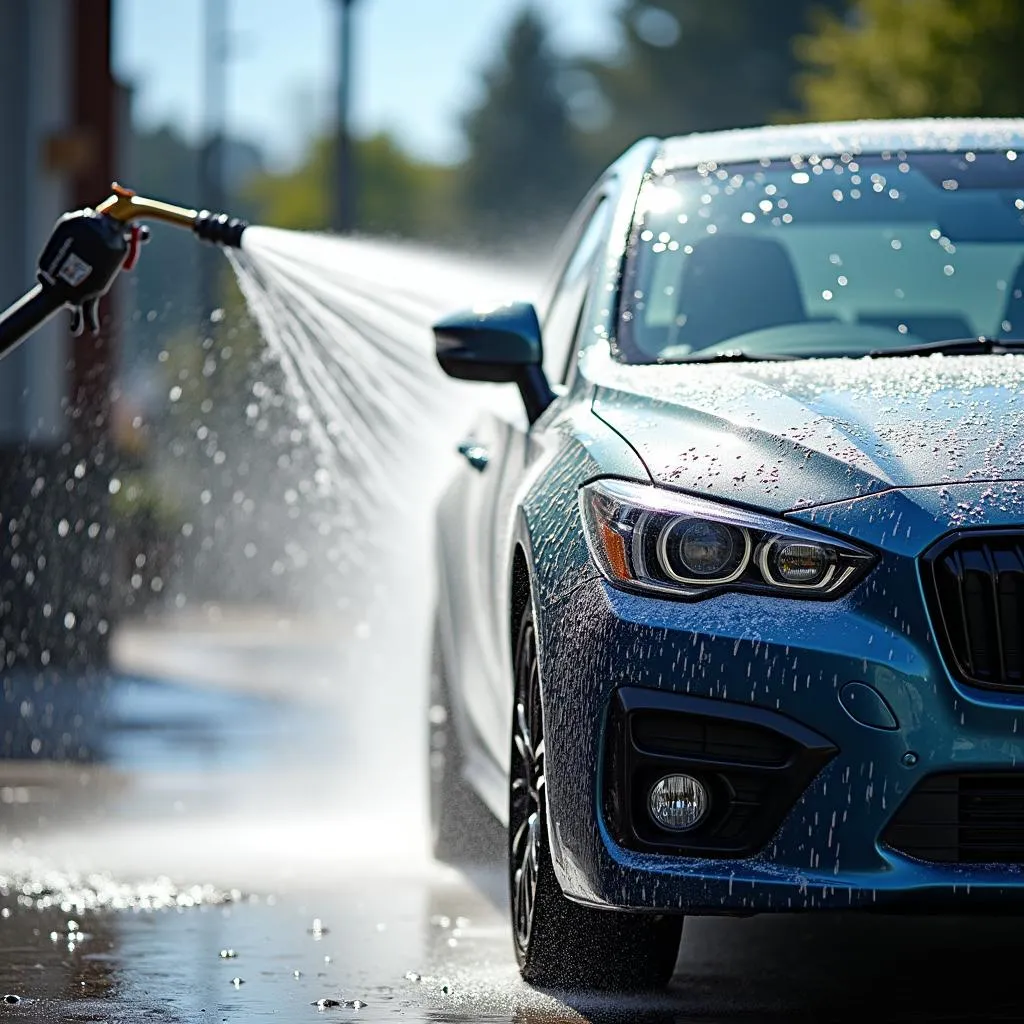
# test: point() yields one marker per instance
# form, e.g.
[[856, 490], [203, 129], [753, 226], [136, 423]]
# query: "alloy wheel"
[[526, 805]]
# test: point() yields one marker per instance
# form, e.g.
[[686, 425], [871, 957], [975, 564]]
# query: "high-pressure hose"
[[89, 248]]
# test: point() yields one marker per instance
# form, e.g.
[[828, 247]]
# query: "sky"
[[416, 64]]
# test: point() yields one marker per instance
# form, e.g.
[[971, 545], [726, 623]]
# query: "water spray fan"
[[89, 248]]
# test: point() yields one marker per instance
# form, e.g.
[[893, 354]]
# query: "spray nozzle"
[[219, 228], [125, 206], [89, 248]]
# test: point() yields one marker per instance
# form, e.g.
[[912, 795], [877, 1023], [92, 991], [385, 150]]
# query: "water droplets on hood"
[[815, 430]]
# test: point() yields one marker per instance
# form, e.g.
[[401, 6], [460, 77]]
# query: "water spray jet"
[[89, 248]]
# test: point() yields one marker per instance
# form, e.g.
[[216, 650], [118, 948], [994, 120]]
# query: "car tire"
[[559, 943], [460, 823]]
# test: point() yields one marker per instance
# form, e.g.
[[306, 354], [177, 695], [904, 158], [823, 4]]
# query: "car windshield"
[[840, 256]]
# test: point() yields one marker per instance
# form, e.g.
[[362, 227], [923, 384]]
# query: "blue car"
[[731, 607]]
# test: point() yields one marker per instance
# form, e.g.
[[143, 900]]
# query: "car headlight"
[[652, 539]]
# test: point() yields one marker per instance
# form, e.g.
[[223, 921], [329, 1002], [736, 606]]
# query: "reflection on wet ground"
[[304, 829], [430, 947]]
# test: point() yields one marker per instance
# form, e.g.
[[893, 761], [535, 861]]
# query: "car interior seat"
[[732, 286], [926, 326], [1012, 325]]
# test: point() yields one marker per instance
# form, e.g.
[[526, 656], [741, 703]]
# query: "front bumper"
[[788, 660]]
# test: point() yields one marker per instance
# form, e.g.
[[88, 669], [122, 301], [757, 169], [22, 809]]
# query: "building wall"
[[95, 107], [58, 126], [35, 111]]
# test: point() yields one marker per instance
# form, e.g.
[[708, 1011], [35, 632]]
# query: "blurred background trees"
[[894, 58], [524, 161], [543, 123], [399, 195], [689, 65]]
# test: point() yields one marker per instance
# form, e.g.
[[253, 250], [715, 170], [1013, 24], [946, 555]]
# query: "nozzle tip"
[[220, 229]]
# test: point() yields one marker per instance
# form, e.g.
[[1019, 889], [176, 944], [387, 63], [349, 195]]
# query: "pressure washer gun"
[[89, 248]]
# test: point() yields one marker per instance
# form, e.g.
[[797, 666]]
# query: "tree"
[[913, 58], [398, 195], [166, 283], [694, 65], [523, 168], [297, 199]]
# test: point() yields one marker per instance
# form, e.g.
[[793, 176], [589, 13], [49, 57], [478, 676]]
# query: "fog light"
[[678, 802]]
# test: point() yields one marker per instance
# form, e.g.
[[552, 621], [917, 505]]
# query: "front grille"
[[753, 763], [975, 584], [975, 818]]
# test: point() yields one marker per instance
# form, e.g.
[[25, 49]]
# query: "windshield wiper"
[[732, 355], [981, 346]]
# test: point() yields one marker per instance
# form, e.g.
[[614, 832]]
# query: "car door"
[[484, 449], [503, 436]]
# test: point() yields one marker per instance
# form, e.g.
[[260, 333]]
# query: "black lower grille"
[[710, 738], [975, 584], [975, 818], [753, 763]]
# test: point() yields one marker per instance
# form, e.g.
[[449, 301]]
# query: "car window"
[[837, 258], [561, 322]]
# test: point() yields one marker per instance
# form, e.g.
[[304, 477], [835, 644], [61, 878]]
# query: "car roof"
[[780, 142]]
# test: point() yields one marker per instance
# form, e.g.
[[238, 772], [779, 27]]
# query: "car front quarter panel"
[[579, 447]]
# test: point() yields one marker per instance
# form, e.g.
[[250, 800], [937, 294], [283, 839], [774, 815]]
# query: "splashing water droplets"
[[354, 375], [347, 320]]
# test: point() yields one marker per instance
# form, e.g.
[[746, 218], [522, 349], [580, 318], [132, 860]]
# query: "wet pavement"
[[242, 844]]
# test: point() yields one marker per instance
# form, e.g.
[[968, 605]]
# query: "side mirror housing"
[[500, 345]]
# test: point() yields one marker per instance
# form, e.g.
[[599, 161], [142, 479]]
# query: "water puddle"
[[37, 886]]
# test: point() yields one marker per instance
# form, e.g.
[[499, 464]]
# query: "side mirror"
[[501, 345]]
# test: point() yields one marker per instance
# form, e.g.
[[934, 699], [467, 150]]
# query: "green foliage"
[[297, 199], [397, 194], [694, 65], [912, 58], [143, 502], [524, 167]]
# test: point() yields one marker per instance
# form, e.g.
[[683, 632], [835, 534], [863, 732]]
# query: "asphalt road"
[[245, 800]]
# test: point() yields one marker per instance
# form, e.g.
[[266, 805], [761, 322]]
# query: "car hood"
[[788, 435]]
